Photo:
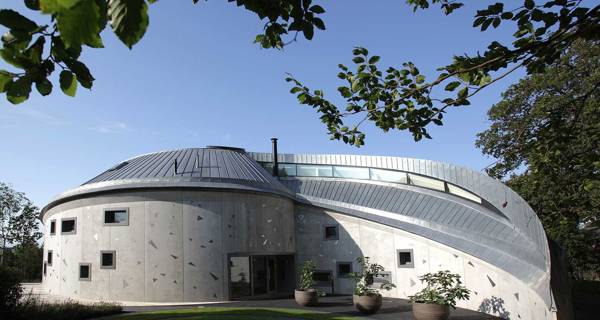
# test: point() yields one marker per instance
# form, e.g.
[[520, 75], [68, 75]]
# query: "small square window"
[[68, 226], [322, 275], [119, 217], [52, 227], [405, 258], [49, 257], [331, 232], [344, 269], [108, 259], [85, 272]]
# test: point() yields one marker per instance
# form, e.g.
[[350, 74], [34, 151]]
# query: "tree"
[[399, 100], [18, 220], [545, 135]]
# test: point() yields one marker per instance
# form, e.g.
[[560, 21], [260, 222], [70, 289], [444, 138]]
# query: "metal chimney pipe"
[[275, 162]]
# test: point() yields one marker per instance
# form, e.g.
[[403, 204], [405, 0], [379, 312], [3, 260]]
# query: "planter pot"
[[428, 311], [367, 304], [306, 298]]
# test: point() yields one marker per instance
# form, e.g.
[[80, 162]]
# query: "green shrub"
[[443, 288], [365, 279], [10, 289], [32, 308], [306, 275]]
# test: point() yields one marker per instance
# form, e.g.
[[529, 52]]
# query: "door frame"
[[268, 255]]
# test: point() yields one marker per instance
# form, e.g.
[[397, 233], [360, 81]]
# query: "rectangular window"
[[305, 170], [463, 193], [287, 170], [344, 269], [425, 182], [45, 268], [405, 258], [52, 227], [85, 272], [389, 176], [49, 257], [68, 226], [331, 232], [322, 275], [119, 217], [108, 260], [351, 172]]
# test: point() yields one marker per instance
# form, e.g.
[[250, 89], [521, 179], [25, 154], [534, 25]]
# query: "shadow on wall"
[[495, 306], [331, 245]]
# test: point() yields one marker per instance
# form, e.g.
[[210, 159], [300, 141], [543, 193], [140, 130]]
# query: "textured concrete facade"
[[174, 248], [494, 291], [191, 210]]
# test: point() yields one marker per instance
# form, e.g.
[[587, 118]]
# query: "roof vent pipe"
[[275, 162]]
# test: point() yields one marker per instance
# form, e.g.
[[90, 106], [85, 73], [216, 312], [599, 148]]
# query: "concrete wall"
[[493, 291], [174, 249]]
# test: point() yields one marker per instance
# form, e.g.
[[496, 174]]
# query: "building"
[[219, 223]]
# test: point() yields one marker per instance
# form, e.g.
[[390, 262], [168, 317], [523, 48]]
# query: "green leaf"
[[67, 4], [18, 91], [128, 19], [5, 78], [68, 83], [82, 73], [486, 24], [374, 59], [496, 22], [44, 87], [452, 85], [33, 4], [15, 21], [79, 25], [308, 30], [317, 9]]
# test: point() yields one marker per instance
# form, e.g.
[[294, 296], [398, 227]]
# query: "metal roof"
[[211, 167]]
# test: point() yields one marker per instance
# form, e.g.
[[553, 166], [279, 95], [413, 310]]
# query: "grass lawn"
[[214, 313]]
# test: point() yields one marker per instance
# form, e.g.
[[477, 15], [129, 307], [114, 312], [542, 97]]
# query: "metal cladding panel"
[[489, 189], [521, 234]]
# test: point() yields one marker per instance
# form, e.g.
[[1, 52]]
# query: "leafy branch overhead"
[[390, 98], [402, 98], [36, 51]]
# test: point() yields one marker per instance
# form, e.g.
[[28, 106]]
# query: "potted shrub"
[[442, 291], [305, 295], [367, 298]]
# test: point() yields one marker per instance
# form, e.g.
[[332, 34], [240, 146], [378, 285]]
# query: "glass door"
[[260, 276], [239, 273]]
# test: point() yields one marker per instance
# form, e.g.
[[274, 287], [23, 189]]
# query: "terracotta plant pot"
[[306, 298], [429, 311], [367, 304]]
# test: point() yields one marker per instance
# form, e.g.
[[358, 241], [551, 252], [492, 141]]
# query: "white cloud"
[[112, 127]]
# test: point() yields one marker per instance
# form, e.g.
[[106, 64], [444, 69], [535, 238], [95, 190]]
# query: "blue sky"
[[196, 79]]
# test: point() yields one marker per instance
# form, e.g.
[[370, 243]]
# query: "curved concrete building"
[[219, 223]]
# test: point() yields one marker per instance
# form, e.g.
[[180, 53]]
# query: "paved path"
[[397, 309]]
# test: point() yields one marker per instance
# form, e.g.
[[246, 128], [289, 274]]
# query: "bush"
[[10, 289], [443, 288], [32, 308]]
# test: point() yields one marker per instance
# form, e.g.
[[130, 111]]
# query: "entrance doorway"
[[260, 276]]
